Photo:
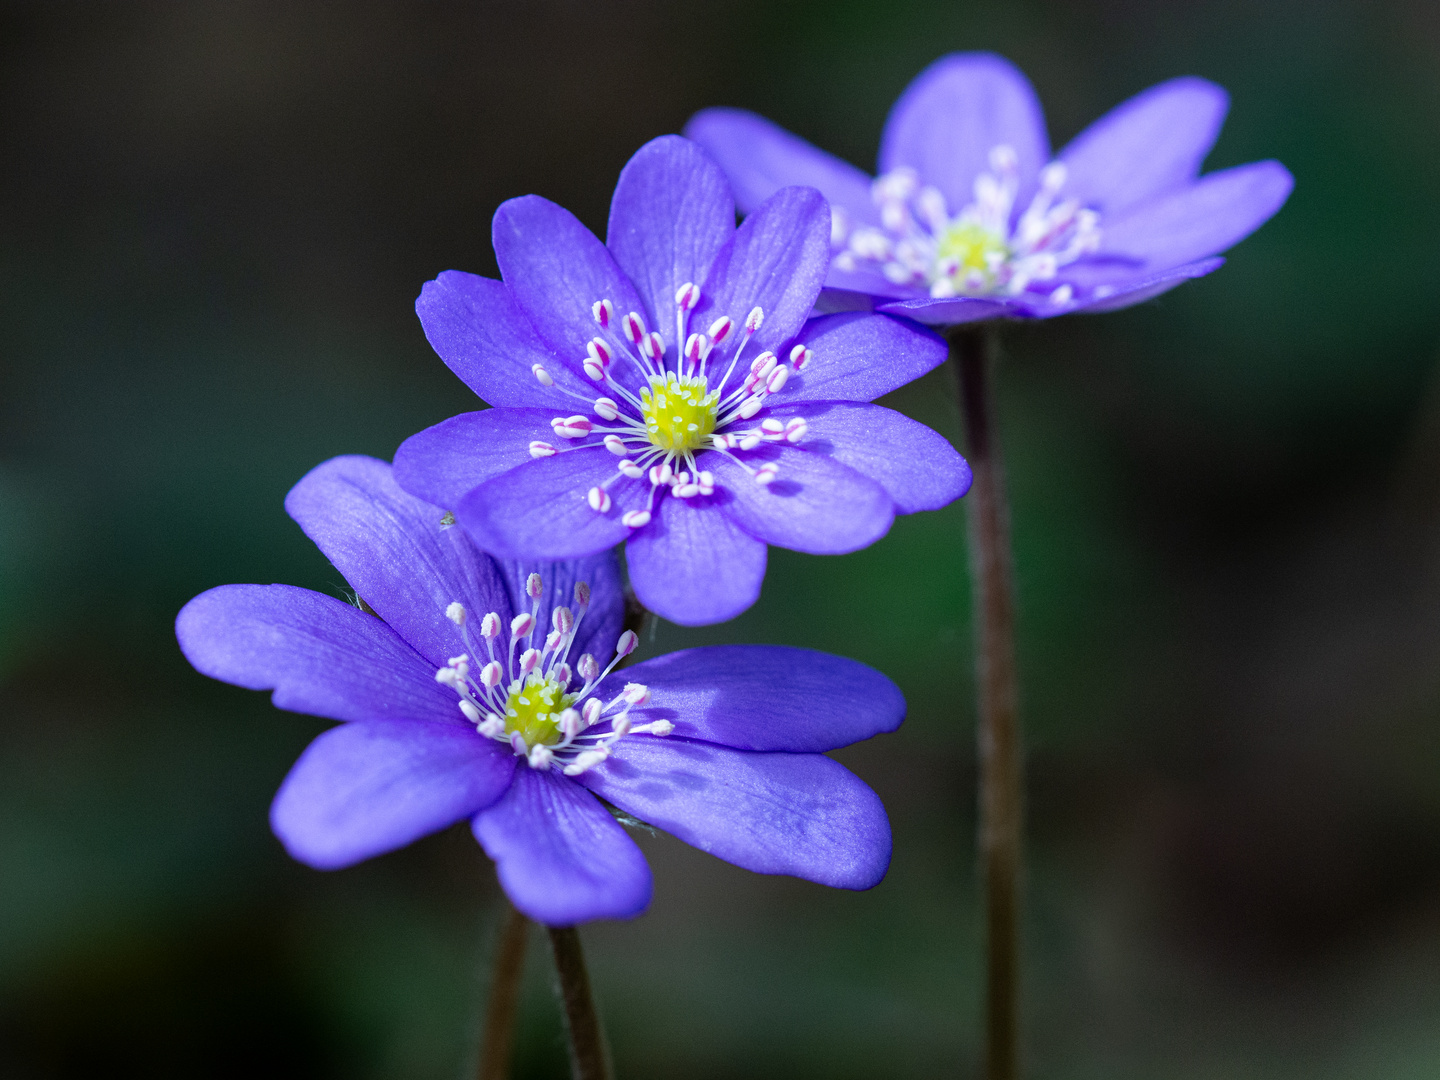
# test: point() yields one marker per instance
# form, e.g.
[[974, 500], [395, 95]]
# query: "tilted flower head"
[[669, 389], [486, 690], [971, 219]]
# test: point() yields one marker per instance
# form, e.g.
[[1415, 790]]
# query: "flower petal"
[[954, 113], [539, 510], [917, 466], [860, 356], [360, 790], [442, 464], [1140, 289], [776, 260], [693, 565], [1145, 146], [561, 857], [556, 270], [799, 814], [318, 654], [475, 326], [601, 625], [954, 310], [1216, 212], [760, 158], [669, 217], [767, 697], [392, 549], [814, 505]]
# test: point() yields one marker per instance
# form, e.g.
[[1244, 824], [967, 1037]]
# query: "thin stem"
[[589, 1056], [499, 1035], [998, 737]]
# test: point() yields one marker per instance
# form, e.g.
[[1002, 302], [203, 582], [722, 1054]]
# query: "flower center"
[[969, 254], [533, 710], [678, 411]]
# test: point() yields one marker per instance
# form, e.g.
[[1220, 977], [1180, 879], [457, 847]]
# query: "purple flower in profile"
[[668, 388], [479, 692], [971, 219]]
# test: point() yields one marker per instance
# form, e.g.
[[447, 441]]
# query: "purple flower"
[[971, 219], [669, 388], [480, 693]]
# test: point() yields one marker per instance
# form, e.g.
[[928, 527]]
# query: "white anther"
[[1063, 295], [870, 243], [493, 726], [606, 409], [1052, 176], [456, 613], [630, 469], [522, 624], [635, 519], [687, 296], [895, 185], [471, 712], [839, 226], [594, 371], [766, 473], [754, 320], [599, 499], [795, 430], [588, 760], [582, 594], [570, 723], [562, 674], [534, 586], [660, 474], [686, 491], [797, 354], [654, 346], [529, 661], [542, 449], [894, 216], [621, 727], [543, 376], [588, 667], [615, 445], [599, 351], [637, 693], [491, 674], [707, 482], [634, 327], [661, 727], [778, 378], [446, 676], [626, 645], [490, 627], [552, 641], [695, 347], [517, 743], [563, 619], [931, 204], [572, 427], [603, 311], [762, 365], [1003, 158], [541, 757], [773, 426], [720, 328], [750, 406], [590, 712], [749, 442]]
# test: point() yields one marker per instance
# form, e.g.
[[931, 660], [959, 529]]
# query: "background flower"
[[970, 219], [720, 746]]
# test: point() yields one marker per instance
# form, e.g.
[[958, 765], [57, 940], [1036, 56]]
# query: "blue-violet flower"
[[971, 219], [751, 425], [481, 692]]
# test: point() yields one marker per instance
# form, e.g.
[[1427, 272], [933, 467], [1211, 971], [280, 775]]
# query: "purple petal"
[[442, 464], [539, 509], [562, 859], [1140, 289], [768, 697], [917, 466], [799, 814], [814, 505], [955, 112], [475, 326], [777, 261], [954, 310], [693, 565], [363, 789], [760, 158], [860, 356], [392, 549], [670, 215], [318, 654], [556, 270], [1215, 212], [1146, 146]]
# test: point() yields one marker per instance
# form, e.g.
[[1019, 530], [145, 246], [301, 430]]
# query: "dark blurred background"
[[214, 218]]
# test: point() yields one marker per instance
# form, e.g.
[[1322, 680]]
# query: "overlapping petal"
[[859, 357], [444, 463], [560, 856], [954, 310], [798, 814], [693, 565], [361, 790]]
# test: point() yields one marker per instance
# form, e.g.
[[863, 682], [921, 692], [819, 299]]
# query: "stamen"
[[538, 370], [456, 613], [542, 449], [603, 311]]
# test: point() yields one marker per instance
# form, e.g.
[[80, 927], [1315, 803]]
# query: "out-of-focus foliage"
[[213, 221]]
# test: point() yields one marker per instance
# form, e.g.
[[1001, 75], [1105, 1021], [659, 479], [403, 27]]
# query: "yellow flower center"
[[678, 411], [534, 709], [969, 255]]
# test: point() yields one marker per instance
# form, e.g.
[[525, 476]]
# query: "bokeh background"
[[214, 218]]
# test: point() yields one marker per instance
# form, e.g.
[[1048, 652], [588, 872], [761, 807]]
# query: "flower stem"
[[589, 1056], [998, 737], [499, 1034]]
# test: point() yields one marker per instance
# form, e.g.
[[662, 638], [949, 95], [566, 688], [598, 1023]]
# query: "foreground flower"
[[970, 218], [482, 691], [749, 426]]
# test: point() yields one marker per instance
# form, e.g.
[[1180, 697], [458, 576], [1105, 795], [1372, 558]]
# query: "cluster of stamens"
[[976, 252], [658, 429], [527, 697]]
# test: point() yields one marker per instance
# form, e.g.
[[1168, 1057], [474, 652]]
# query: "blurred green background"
[[214, 218]]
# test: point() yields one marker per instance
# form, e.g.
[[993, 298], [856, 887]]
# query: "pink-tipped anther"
[[635, 519], [634, 327], [491, 674], [582, 594], [706, 481], [653, 346], [563, 619], [590, 711], [626, 645], [606, 409], [754, 320], [604, 311], [588, 667], [529, 661], [542, 449], [766, 473], [599, 351], [615, 445], [630, 469], [522, 624], [599, 499], [490, 627], [795, 430], [541, 375], [687, 296], [594, 371], [660, 474], [750, 406], [636, 693], [720, 328], [695, 347], [552, 642], [777, 380]]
